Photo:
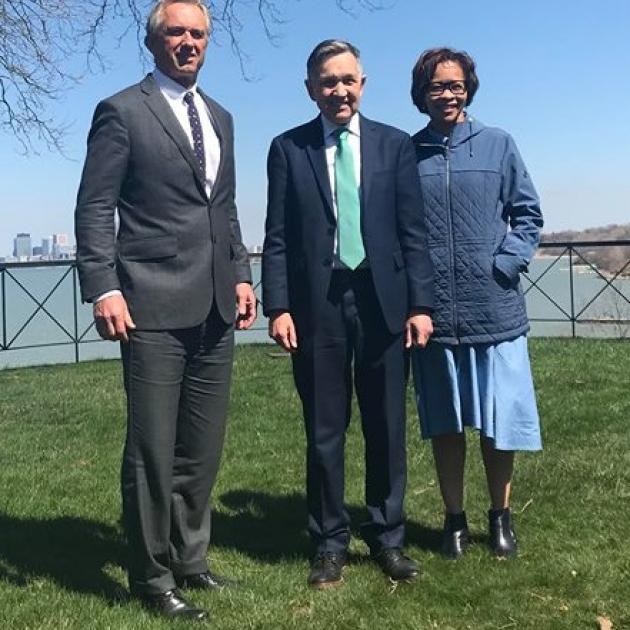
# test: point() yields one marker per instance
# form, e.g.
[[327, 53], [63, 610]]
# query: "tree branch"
[[42, 41]]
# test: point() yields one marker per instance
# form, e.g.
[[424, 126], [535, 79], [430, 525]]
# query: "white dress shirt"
[[330, 144], [174, 93]]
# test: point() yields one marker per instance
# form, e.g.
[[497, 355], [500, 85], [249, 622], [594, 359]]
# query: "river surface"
[[25, 326]]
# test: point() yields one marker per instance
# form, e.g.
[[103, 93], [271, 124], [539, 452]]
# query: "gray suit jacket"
[[177, 251]]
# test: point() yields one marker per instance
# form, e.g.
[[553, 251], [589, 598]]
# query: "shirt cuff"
[[106, 295]]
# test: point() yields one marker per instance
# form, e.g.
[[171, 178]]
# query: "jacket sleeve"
[[412, 231], [275, 279], [239, 251], [522, 209], [103, 175]]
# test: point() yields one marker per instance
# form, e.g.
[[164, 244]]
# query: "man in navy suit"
[[347, 281]]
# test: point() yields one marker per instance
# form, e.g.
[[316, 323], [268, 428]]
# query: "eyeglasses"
[[179, 31], [437, 88]]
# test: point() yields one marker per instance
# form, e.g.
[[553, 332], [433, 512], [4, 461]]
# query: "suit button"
[[327, 262], [331, 231]]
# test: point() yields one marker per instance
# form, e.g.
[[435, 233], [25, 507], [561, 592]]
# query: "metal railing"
[[74, 336], [77, 332], [579, 255]]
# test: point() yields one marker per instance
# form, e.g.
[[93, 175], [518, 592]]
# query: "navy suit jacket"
[[301, 225]]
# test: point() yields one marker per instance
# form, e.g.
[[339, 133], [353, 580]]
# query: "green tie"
[[351, 251]]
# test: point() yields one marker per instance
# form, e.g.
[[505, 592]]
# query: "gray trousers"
[[177, 385]]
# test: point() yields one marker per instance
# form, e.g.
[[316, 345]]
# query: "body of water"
[[22, 326], [56, 325]]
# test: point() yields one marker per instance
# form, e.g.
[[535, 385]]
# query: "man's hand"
[[245, 306], [112, 318], [418, 329], [282, 331]]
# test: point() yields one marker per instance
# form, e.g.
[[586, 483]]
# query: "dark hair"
[[424, 70], [328, 48]]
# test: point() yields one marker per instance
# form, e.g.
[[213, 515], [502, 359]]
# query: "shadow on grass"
[[425, 538], [73, 552], [264, 526], [271, 528]]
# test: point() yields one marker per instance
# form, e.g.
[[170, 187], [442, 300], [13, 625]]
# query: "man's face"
[[180, 46], [337, 87]]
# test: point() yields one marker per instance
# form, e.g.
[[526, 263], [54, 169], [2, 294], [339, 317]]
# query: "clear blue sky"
[[555, 74]]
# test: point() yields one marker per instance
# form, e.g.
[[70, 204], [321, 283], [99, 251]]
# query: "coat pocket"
[[151, 248]]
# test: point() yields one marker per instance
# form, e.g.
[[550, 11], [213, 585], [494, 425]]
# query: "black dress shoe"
[[455, 537], [396, 565], [326, 570], [205, 581], [172, 605], [502, 536]]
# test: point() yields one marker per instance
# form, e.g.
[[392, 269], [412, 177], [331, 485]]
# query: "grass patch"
[[62, 552]]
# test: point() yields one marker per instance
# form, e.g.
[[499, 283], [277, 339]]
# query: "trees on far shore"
[[609, 259]]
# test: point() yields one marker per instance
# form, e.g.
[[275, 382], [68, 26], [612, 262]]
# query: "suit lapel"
[[215, 119], [165, 116], [369, 158], [316, 151]]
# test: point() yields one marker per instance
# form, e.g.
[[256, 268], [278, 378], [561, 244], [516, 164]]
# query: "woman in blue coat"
[[483, 220]]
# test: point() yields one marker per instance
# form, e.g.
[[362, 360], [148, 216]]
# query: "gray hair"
[[156, 16], [326, 49]]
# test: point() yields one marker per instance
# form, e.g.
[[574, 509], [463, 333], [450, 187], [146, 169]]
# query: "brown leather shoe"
[[326, 570], [173, 606], [396, 565]]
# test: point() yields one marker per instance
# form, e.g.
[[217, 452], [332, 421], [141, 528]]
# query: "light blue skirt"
[[485, 386]]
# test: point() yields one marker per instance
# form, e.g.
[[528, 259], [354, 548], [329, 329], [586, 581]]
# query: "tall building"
[[60, 247], [22, 247], [47, 246]]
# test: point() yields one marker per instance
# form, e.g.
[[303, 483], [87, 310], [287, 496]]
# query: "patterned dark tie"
[[195, 127]]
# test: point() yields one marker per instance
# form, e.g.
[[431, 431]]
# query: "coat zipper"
[[447, 149]]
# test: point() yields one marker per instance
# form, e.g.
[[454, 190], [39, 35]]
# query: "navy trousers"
[[352, 339]]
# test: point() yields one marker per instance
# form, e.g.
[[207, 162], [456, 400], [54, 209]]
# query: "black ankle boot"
[[502, 536], [455, 536]]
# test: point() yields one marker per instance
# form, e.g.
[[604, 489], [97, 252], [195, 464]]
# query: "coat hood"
[[462, 132]]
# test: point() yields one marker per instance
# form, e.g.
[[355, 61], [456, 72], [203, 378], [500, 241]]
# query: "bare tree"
[[47, 46]]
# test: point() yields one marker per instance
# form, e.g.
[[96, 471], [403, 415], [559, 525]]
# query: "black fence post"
[[4, 311], [571, 291], [76, 313]]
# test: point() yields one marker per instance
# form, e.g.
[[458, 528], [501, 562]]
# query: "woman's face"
[[444, 106]]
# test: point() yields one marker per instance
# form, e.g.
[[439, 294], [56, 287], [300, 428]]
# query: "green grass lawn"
[[61, 549]]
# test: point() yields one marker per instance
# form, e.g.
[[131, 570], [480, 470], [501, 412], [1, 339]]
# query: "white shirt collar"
[[170, 88], [353, 126]]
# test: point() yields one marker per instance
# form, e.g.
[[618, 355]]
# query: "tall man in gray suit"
[[160, 153]]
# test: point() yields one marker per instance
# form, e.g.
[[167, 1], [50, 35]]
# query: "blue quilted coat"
[[483, 220]]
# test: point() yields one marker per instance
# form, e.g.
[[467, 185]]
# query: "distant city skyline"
[[49, 242], [53, 246]]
